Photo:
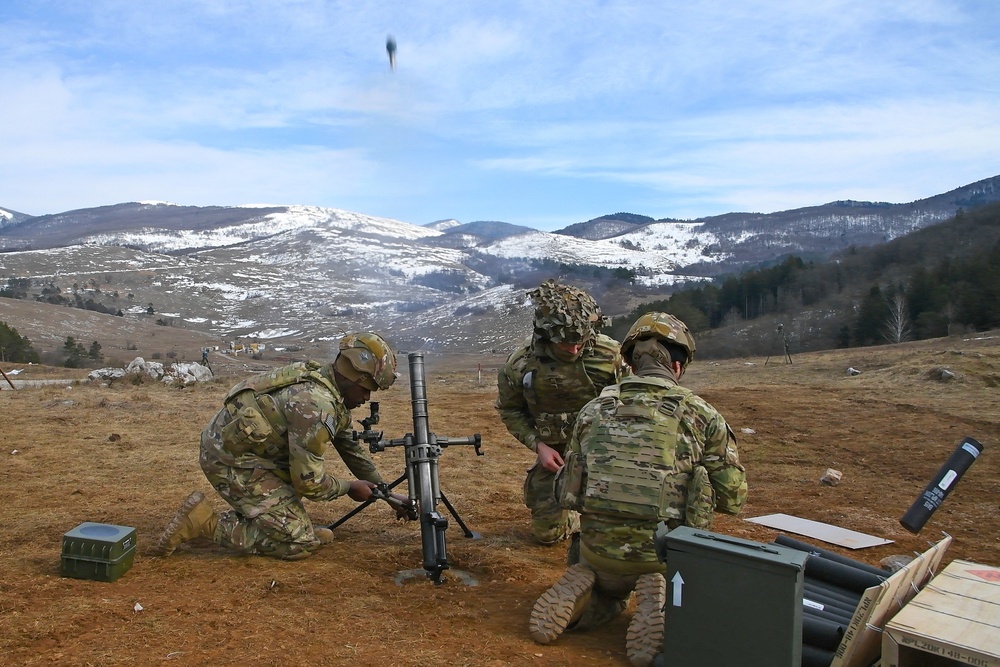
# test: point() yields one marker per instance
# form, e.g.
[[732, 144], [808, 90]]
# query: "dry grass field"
[[127, 454]]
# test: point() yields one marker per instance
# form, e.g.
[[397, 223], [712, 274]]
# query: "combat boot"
[[562, 604], [644, 638], [194, 519]]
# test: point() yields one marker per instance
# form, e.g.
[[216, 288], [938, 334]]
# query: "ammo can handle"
[[758, 547]]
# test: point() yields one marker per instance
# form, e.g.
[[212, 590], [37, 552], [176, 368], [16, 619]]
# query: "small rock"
[[896, 563], [942, 374], [853, 371], [748, 431], [831, 477]]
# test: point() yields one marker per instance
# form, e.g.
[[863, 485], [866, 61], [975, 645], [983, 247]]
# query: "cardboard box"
[[955, 619]]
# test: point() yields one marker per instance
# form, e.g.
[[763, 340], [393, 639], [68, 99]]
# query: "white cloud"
[[687, 107]]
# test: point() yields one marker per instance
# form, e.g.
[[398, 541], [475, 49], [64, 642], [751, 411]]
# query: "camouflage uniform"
[[626, 471], [645, 451], [538, 399], [265, 451]]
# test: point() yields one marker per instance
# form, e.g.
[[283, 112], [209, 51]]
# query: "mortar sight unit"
[[422, 451]]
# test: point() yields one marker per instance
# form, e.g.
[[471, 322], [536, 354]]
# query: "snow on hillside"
[[441, 225], [495, 318], [684, 242], [347, 220], [294, 218], [654, 266]]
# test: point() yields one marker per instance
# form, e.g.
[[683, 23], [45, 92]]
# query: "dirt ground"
[[127, 455]]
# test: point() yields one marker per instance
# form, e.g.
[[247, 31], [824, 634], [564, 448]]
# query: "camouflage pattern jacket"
[[285, 421], [634, 459], [539, 396]]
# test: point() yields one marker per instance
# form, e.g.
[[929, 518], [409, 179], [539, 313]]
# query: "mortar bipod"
[[422, 449]]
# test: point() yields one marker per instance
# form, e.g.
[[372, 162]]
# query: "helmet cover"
[[564, 314], [367, 359], [662, 327]]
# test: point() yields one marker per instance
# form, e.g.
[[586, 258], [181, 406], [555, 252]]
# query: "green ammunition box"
[[730, 601], [98, 551]]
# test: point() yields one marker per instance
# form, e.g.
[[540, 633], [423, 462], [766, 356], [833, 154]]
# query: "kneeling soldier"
[[264, 452], [645, 451]]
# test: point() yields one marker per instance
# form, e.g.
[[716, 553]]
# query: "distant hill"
[[606, 226], [488, 230], [61, 229], [740, 240], [936, 281], [304, 274], [9, 217], [442, 225]]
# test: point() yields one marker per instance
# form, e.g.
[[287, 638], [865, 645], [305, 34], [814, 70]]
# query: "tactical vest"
[[257, 424], [555, 391], [627, 464]]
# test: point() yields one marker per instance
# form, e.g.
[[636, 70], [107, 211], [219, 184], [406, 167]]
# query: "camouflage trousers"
[[550, 523], [267, 519], [617, 580]]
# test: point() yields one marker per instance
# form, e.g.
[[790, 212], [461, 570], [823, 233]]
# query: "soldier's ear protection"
[[347, 364], [367, 359]]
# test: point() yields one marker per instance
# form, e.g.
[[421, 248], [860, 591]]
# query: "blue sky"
[[535, 113]]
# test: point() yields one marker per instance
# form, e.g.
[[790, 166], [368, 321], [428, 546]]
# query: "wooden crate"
[[955, 619], [861, 644]]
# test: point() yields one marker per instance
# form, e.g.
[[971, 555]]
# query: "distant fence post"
[[7, 379]]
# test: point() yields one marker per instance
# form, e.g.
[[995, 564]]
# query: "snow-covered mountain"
[[737, 240], [309, 273]]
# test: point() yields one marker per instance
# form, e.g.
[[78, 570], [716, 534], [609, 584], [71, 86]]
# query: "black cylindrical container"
[[942, 484]]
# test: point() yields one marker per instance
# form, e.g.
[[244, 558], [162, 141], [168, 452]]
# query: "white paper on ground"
[[821, 531]]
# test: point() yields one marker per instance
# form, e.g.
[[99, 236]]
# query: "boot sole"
[[644, 639], [162, 547], [556, 608]]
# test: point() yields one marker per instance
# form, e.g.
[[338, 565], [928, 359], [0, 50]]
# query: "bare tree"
[[898, 328]]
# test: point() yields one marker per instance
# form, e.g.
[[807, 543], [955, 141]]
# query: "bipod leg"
[[774, 342], [465, 529], [362, 506]]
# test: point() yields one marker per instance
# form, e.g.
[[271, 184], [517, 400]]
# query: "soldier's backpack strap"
[[254, 411]]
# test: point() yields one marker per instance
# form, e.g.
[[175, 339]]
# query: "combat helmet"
[[662, 327], [367, 359], [564, 314]]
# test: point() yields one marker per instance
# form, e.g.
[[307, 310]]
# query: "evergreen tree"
[[14, 347], [17, 288], [844, 337], [75, 353], [872, 314]]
